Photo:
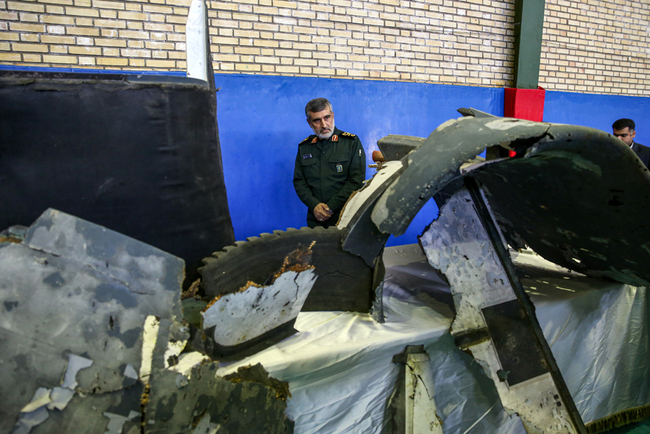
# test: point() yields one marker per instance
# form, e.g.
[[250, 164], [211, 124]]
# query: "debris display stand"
[[495, 320]]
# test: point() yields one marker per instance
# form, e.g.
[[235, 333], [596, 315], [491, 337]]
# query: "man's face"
[[322, 123], [625, 135]]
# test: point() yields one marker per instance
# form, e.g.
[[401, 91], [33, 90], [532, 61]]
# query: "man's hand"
[[322, 212]]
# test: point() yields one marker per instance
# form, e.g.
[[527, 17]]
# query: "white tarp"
[[340, 368]]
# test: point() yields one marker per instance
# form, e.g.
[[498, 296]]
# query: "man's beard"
[[326, 135]]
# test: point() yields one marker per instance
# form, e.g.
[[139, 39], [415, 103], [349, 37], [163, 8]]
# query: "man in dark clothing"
[[624, 129], [330, 165]]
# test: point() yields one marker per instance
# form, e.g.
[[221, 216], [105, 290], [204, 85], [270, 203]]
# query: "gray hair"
[[317, 105]]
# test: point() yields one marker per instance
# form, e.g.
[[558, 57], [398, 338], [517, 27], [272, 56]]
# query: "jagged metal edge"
[[250, 243], [437, 162]]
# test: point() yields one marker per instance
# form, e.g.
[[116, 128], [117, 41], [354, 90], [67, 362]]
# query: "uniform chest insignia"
[[315, 140], [306, 156], [339, 168], [335, 138]]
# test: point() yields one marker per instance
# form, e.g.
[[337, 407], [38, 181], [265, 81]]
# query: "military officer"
[[330, 165]]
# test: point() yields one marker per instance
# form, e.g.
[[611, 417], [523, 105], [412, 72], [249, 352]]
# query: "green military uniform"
[[328, 171]]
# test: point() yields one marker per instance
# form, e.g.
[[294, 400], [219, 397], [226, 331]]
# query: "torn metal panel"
[[412, 408], [434, 164], [576, 195], [494, 320], [248, 314], [580, 198], [75, 297], [344, 280], [360, 235], [474, 113], [200, 402]]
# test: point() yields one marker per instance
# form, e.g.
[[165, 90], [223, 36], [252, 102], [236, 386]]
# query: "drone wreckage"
[[122, 349]]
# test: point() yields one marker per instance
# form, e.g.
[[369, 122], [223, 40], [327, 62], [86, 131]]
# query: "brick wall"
[[459, 42], [98, 34], [588, 46], [596, 47]]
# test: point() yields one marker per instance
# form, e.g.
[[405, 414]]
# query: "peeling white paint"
[[504, 124], [242, 316], [116, 422], [360, 198], [75, 364], [187, 361], [149, 338], [173, 350], [458, 245], [44, 399], [130, 372]]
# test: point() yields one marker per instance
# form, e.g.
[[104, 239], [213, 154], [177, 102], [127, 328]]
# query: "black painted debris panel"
[[520, 355], [141, 157], [580, 198]]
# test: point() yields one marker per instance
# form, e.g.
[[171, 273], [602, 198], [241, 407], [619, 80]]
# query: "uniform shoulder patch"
[[308, 139], [348, 135]]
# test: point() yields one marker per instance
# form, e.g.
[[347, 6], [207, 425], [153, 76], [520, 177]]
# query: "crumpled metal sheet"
[[247, 401], [576, 195], [360, 235], [74, 299], [92, 331], [580, 198], [492, 325], [437, 162]]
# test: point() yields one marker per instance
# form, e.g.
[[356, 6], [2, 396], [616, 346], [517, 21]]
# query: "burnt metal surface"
[[434, 164], [344, 281], [495, 321], [74, 300], [576, 195], [580, 198], [202, 403]]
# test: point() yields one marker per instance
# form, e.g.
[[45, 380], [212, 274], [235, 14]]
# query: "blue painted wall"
[[262, 120], [599, 111]]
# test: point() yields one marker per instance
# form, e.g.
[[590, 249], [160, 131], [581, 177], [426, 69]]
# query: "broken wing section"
[[580, 198], [433, 165], [492, 322], [75, 297]]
